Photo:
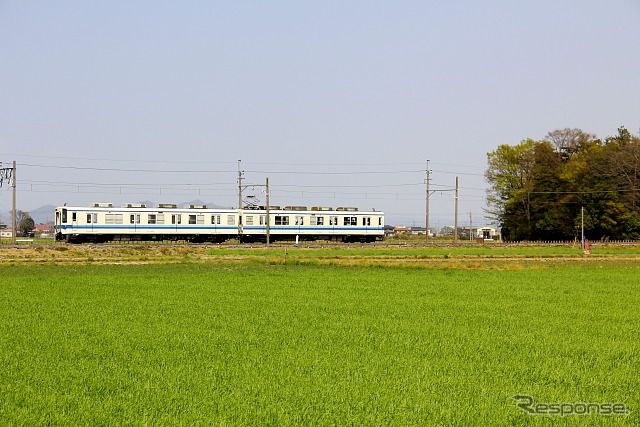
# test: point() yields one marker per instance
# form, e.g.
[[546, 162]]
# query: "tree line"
[[538, 189]]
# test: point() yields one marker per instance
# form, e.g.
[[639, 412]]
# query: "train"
[[102, 223]]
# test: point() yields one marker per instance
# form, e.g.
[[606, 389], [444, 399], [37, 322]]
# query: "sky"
[[338, 103]]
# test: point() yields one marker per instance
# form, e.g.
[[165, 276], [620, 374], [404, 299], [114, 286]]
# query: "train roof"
[[171, 206]]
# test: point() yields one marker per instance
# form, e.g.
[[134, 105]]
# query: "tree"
[[568, 142], [25, 223], [510, 173], [538, 188]]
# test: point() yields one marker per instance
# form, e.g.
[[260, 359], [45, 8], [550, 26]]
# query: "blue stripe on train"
[[209, 228]]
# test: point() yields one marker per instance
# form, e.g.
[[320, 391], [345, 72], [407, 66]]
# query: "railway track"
[[306, 245]]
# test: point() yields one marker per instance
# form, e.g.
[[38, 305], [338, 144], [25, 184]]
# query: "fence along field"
[[236, 337]]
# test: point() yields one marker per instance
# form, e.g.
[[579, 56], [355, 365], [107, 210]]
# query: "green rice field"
[[297, 339]]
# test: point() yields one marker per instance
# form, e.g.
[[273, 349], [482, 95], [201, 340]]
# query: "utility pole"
[[267, 213], [13, 216], [426, 227], [249, 205], [455, 221], [582, 227], [240, 173], [10, 174]]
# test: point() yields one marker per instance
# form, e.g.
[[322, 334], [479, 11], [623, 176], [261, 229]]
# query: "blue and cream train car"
[[102, 222]]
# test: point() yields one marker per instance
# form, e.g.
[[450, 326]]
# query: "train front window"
[[64, 216]]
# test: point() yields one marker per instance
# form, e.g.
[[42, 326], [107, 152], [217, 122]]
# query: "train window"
[[248, 220], [215, 219], [262, 218], [155, 219], [282, 220], [312, 220], [350, 220], [134, 219], [366, 221], [231, 220], [380, 221], [200, 219], [320, 220], [113, 219], [64, 215], [74, 217], [333, 220], [299, 220], [192, 219], [176, 219]]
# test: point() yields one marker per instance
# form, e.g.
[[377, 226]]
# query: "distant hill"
[[43, 214], [200, 202]]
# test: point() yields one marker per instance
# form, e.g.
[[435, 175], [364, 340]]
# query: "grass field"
[[245, 339]]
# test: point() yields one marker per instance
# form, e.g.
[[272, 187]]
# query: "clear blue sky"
[[339, 103]]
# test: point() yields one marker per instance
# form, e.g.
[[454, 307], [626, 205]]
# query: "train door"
[[333, 223], [299, 222], [134, 221], [215, 222], [176, 220], [74, 220], [92, 218]]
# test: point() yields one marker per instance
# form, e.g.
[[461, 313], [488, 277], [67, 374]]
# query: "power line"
[[118, 160], [125, 170], [585, 192], [335, 173], [121, 184], [218, 171]]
